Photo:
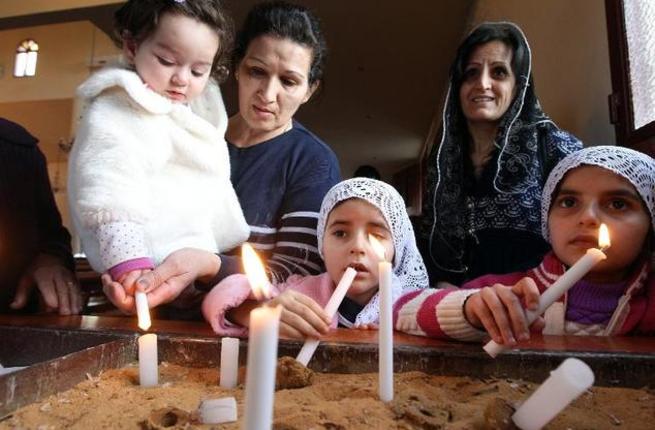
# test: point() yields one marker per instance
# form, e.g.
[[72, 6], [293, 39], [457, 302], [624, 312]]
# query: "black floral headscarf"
[[520, 163]]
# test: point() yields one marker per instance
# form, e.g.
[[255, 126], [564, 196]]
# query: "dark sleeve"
[[296, 248], [423, 224], [54, 239]]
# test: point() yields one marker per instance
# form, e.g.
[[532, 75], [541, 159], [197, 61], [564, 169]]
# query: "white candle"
[[142, 310], [310, 345], [563, 386], [148, 370], [229, 362], [385, 335], [262, 363], [576, 272], [262, 348]]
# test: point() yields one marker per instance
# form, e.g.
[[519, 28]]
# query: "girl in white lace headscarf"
[[408, 272], [351, 210], [600, 184]]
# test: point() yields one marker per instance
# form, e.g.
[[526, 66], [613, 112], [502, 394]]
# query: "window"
[[26, 56], [631, 34]]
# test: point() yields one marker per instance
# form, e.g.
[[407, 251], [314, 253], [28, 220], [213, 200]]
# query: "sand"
[[114, 400]]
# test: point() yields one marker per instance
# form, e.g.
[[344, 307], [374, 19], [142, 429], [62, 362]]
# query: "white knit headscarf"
[[408, 272], [636, 167]]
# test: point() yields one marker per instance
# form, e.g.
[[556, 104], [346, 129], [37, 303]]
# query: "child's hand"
[[301, 316], [499, 309]]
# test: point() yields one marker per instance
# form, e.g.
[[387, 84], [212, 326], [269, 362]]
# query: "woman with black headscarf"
[[484, 180]]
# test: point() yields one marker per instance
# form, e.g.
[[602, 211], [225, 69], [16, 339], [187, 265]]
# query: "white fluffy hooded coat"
[[158, 170]]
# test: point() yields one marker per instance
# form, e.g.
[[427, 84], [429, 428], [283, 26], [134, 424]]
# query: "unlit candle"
[[229, 362], [148, 370], [310, 345], [142, 310], [563, 386]]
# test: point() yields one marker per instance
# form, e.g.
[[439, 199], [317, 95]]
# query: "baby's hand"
[[128, 280], [500, 310], [301, 316]]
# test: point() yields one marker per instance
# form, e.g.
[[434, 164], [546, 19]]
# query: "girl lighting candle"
[[599, 184], [592, 257], [386, 324], [351, 210], [262, 348]]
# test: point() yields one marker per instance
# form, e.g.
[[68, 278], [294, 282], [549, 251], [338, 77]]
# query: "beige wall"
[[570, 59], [45, 104], [27, 7], [65, 52]]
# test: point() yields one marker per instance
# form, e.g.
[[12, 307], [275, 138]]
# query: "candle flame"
[[603, 237], [255, 272], [377, 247]]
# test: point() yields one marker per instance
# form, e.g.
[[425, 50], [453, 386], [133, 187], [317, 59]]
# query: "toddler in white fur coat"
[[149, 171]]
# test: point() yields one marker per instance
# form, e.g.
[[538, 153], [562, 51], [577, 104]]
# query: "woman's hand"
[[57, 285], [500, 310], [167, 281], [301, 316]]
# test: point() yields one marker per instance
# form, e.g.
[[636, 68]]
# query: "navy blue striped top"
[[280, 184]]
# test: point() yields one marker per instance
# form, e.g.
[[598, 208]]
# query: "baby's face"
[[176, 60], [346, 244], [587, 197]]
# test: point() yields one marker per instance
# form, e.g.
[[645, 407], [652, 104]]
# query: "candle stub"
[[564, 385], [148, 370], [229, 362], [217, 411]]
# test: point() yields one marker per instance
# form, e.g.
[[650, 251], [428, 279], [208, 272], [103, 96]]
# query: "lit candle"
[[262, 349], [576, 272], [563, 386], [385, 334], [310, 345], [229, 362], [148, 370]]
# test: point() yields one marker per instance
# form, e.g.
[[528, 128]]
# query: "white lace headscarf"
[[636, 167], [408, 272]]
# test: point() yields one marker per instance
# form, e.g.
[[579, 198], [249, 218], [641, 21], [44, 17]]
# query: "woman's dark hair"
[[507, 33], [367, 171], [138, 20], [286, 21]]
